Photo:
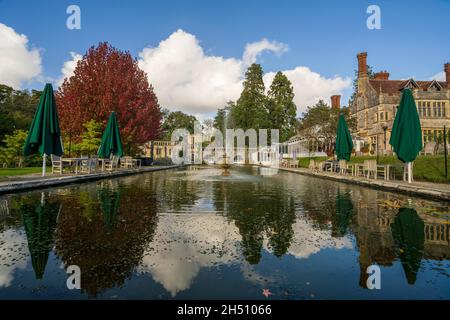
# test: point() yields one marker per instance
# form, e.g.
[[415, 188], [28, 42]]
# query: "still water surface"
[[192, 234]]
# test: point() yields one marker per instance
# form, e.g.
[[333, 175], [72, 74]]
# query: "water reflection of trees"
[[259, 211], [177, 190], [105, 230], [385, 231], [8, 208], [328, 206]]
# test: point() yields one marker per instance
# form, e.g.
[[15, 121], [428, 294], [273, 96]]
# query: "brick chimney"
[[383, 75], [362, 64], [447, 73], [336, 101]]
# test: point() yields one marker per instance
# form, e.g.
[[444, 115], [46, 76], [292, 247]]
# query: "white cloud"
[[18, 63], [310, 86], [186, 78], [69, 67], [254, 50], [440, 76]]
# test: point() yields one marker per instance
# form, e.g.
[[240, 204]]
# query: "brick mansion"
[[377, 100]]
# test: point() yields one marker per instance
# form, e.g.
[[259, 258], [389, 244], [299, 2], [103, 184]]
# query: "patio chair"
[[57, 164], [112, 163], [370, 167], [126, 162], [343, 167], [312, 165], [293, 164], [383, 170], [88, 165], [429, 148], [319, 166]]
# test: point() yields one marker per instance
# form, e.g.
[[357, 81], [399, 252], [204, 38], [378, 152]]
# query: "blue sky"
[[324, 36]]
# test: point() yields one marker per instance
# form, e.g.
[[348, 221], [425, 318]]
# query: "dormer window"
[[411, 84], [434, 86]]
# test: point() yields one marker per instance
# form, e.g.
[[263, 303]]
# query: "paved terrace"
[[435, 191], [36, 181]]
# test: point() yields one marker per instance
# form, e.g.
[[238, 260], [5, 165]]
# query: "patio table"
[[330, 166], [71, 162], [358, 167], [386, 168], [353, 167], [102, 163]]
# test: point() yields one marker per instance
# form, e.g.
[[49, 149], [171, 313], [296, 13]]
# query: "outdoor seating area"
[[369, 169], [92, 164], [289, 163]]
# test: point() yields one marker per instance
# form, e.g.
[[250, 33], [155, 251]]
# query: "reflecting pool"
[[194, 234]]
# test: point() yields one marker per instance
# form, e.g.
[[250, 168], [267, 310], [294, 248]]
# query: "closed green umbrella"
[[111, 142], [406, 136], [44, 136], [344, 143]]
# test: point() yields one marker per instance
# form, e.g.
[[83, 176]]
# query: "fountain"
[[225, 166]]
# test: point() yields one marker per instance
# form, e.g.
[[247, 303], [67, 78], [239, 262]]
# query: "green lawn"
[[426, 168], [11, 172]]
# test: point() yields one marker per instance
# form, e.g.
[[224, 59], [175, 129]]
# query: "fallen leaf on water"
[[266, 293]]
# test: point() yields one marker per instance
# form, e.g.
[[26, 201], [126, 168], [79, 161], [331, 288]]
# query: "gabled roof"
[[396, 86], [435, 84]]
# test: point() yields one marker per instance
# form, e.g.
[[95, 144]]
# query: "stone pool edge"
[[383, 185], [20, 186]]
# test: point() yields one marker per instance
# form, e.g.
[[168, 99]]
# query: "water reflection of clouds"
[[184, 244], [308, 241], [13, 255]]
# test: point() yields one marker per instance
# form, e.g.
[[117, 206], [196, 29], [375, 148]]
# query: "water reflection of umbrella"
[[408, 233], [40, 224], [109, 201], [344, 209]]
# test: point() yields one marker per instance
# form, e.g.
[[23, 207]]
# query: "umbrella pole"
[[409, 172], [44, 166]]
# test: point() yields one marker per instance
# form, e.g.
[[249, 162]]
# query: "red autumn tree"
[[107, 80]]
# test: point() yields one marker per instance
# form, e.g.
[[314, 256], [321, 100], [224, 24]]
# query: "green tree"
[[91, 137], [177, 120], [282, 110], [250, 110], [320, 122], [222, 121], [219, 120], [17, 108], [12, 152]]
